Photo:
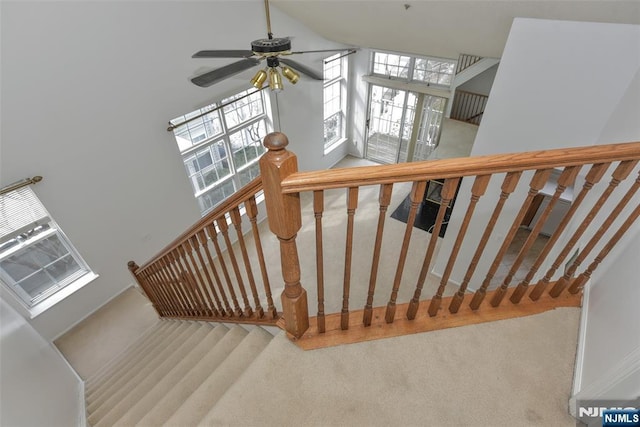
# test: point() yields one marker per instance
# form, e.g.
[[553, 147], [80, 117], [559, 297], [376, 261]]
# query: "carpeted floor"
[[507, 373]]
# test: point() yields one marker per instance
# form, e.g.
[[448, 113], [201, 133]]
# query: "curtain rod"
[[20, 184], [172, 126]]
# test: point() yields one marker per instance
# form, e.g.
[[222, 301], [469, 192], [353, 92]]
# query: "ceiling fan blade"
[[302, 68], [207, 79], [223, 54], [319, 51]]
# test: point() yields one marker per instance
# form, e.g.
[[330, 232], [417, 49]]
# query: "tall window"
[[36, 258], [220, 147], [428, 70], [335, 99]]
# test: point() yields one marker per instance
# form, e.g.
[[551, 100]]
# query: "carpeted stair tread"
[[146, 365], [196, 407], [121, 361], [131, 360], [132, 348], [180, 392], [140, 407], [135, 360], [134, 390]]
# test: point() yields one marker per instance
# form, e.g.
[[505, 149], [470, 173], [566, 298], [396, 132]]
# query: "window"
[[428, 70], [335, 90], [220, 145], [36, 258]]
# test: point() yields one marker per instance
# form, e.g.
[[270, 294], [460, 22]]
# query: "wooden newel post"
[[283, 213]]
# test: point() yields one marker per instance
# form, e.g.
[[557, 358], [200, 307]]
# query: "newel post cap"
[[276, 141]]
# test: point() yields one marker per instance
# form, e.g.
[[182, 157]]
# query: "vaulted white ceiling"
[[443, 28]]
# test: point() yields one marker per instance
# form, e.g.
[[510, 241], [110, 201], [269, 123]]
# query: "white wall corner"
[[621, 381]]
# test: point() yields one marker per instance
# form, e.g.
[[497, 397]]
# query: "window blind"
[[20, 211]]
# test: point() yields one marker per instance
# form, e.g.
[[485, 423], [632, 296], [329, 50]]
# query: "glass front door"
[[391, 137]]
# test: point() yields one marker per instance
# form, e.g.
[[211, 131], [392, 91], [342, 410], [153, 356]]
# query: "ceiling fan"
[[272, 49]]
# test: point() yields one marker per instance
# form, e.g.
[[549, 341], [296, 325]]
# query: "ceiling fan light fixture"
[[258, 80], [290, 74], [275, 81]]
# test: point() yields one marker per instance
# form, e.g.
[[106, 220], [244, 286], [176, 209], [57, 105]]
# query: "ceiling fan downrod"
[[266, 9]]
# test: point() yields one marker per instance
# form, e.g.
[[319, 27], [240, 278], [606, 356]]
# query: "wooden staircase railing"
[[192, 277], [185, 279], [468, 106], [526, 174], [465, 61]]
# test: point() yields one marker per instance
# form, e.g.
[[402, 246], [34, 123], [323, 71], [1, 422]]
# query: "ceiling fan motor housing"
[[267, 46]]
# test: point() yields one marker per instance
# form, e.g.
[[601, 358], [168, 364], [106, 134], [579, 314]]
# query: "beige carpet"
[[107, 332], [514, 372]]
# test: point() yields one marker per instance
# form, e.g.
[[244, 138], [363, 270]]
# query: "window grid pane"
[[390, 65], [42, 264], [197, 130], [221, 165], [334, 99], [242, 110], [434, 71]]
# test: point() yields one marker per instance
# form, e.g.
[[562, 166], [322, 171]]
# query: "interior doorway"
[[395, 133]]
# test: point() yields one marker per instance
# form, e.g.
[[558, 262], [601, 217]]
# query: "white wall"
[[609, 357], [548, 93], [37, 387], [87, 90], [482, 83]]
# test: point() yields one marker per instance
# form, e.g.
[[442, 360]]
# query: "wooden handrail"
[[200, 278], [238, 197], [458, 167]]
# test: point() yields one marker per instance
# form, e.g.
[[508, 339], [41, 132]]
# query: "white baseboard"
[[76, 323], [582, 336], [619, 382]]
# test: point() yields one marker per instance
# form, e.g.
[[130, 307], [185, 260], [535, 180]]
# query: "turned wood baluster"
[[621, 172], [416, 196], [236, 220], [448, 192], [318, 208], [192, 245], [149, 289], [164, 277], [477, 190], [252, 212], [285, 220], [193, 271], [384, 199], [210, 285], [227, 311], [173, 278], [185, 277], [538, 181], [578, 282], [160, 291], [189, 269], [594, 175], [566, 179], [564, 280], [224, 229], [213, 234], [159, 284], [144, 285], [352, 205], [169, 294], [508, 186]]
